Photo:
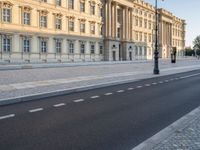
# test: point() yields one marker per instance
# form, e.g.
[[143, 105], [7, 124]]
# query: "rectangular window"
[[26, 45], [58, 47], [82, 48], [26, 18], [82, 27], [43, 21], [58, 23], [82, 7], [92, 28], [71, 47], [71, 25], [58, 2], [6, 15], [101, 49], [71, 4], [92, 9], [6, 44], [92, 48], [43, 46]]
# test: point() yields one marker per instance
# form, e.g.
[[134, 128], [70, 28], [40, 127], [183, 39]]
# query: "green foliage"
[[198, 52], [189, 52], [196, 43]]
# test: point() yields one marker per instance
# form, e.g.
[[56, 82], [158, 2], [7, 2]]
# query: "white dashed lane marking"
[[93, 97], [161, 82], [147, 85], [139, 86], [78, 100], [107, 94], [120, 91], [59, 105], [130, 89], [7, 116], [154, 83], [35, 110]]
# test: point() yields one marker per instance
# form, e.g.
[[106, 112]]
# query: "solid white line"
[[78, 100], [120, 91], [35, 110], [7, 116], [59, 105], [93, 97], [130, 89], [107, 94], [139, 87]]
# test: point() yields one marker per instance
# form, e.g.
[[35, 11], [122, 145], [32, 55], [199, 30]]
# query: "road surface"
[[112, 118]]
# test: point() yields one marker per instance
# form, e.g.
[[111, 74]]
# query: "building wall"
[[114, 30]]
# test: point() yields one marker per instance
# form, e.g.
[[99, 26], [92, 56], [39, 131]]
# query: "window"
[[92, 9], [92, 47], [145, 37], [71, 25], [26, 18], [118, 32], [43, 45], [92, 28], [145, 23], [149, 37], [82, 47], [71, 4], [26, 45], [149, 24], [6, 14], [82, 7], [82, 27], [100, 48], [140, 36], [43, 21], [136, 50], [141, 22], [136, 21], [140, 53], [58, 44], [6, 44], [58, 23], [145, 51], [71, 47], [58, 2]]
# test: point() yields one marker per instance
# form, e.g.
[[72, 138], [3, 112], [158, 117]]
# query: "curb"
[[177, 126], [37, 96], [60, 92]]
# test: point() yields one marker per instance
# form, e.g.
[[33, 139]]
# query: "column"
[[131, 24], [126, 23], [109, 18], [115, 20]]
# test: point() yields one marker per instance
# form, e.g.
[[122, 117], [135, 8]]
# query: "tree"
[[189, 52], [196, 43]]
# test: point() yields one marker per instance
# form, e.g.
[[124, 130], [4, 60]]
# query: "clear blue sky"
[[184, 9]]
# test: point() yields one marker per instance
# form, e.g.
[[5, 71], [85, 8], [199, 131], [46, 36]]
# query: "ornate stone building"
[[84, 30]]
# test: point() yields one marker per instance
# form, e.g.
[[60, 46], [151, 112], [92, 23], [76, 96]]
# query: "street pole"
[[156, 68]]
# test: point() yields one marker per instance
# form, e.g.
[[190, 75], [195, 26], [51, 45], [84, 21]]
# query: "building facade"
[[84, 30]]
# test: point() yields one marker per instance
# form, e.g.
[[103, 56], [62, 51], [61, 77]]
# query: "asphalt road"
[[113, 118]]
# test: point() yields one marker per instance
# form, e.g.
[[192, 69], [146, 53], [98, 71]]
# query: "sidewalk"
[[28, 84], [183, 134]]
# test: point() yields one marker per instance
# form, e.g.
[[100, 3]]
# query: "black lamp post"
[[156, 68]]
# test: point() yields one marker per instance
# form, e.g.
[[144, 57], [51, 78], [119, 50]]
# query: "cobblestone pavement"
[[24, 82], [185, 139]]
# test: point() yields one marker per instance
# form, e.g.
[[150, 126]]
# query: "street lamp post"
[[156, 68]]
